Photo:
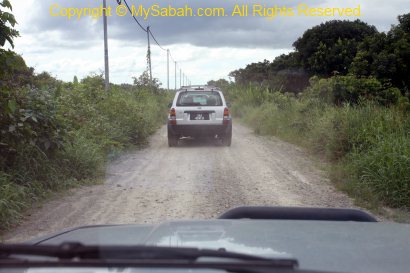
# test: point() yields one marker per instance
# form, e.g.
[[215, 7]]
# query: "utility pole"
[[168, 67], [149, 56], [175, 76], [107, 72], [183, 79], [180, 78]]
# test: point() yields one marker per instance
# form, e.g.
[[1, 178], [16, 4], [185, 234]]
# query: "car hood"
[[317, 245]]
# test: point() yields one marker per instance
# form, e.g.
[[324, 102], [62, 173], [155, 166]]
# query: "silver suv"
[[199, 111]]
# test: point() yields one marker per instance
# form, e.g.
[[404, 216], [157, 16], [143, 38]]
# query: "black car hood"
[[318, 245]]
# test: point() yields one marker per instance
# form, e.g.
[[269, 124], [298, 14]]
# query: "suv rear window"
[[199, 98]]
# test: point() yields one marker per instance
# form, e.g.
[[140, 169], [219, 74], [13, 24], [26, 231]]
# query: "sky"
[[204, 48]]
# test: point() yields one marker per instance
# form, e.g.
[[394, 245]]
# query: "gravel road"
[[197, 180]]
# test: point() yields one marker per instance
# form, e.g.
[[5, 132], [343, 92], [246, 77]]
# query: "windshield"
[[198, 98], [119, 118], [116, 270]]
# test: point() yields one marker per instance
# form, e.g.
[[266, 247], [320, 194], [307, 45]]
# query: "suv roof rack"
[[298, 213]]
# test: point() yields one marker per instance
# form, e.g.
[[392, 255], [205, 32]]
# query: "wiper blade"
[[77, 254]]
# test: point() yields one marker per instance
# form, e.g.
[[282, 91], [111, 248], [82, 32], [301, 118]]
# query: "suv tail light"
[[226, 116], [172, 116]]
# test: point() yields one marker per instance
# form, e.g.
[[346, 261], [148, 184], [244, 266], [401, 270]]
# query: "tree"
[[399, 45], [283, 73], [221, 83], [7, 24], [404, 21], [343, 48], [255, 72], [331, 46], [386, 56], [144, 81], [75, 80], [286, 74]]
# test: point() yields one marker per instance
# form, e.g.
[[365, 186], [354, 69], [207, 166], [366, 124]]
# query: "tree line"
[[352, 50]]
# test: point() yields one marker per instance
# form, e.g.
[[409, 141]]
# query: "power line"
[[129, 9], [152, 35], [149, 33], [170, 55]]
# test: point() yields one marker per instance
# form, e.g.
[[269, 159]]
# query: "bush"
[[58, 135], [28, 118], [82, 157], [350, 89]]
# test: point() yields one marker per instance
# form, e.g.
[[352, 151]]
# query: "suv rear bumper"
[[200, 130]]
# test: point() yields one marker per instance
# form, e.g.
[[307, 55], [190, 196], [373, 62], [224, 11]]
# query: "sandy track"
[[195, 180]]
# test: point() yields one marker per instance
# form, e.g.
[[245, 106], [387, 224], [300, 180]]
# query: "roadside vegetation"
[[55, 135], [367, 144], [344, 95]]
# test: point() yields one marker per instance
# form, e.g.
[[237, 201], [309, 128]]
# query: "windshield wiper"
[[79, 255]]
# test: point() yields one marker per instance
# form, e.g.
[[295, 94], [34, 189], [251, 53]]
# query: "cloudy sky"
[[204, 47]]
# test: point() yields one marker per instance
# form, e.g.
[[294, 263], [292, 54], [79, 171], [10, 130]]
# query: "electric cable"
[[129, 9], [152, 35], [146, 30]]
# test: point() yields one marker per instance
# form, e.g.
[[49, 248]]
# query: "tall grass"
[[368, 144]]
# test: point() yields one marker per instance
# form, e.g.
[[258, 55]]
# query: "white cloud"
[[206, 48]]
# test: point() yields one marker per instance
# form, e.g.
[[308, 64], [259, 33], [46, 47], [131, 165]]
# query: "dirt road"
[[195, 180]]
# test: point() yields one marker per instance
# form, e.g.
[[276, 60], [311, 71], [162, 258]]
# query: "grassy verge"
[[62, 134], [368, 145]]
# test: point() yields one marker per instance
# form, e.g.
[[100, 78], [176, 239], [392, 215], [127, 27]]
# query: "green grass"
[[368, 145], [11, 201]]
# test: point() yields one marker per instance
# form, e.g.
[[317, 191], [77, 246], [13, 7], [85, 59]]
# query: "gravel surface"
[[197, 180]]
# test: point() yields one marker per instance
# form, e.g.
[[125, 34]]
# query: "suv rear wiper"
[[79, 255]]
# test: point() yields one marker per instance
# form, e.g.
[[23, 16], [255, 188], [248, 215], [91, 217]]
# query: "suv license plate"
[[199, 116]]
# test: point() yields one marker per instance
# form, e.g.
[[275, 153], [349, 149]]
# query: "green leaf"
[[12, 105], [6, 4], [2, 41], [8, 17], [10, 41]]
